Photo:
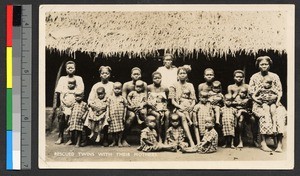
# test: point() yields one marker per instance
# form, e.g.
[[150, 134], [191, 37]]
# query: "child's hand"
[[108, 119]]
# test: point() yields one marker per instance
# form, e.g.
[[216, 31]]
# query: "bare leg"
[[197, 134], [114, 140], [78, 138], [105, 136], [167, 123], [231, 142], [217, 111], [92, 129], [264, 146], [188, 118], [273, 115], [128, 124], [119, 136], [186, 128], [240, 130], [279, 145], [226, 141], [72, 135], [61, 127], [158, 124]]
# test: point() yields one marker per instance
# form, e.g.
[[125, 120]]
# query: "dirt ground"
[[69, 153]]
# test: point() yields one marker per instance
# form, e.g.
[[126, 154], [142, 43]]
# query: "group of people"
[[168, 109]]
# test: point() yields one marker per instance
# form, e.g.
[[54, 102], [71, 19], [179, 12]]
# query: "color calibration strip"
[[18, 92]]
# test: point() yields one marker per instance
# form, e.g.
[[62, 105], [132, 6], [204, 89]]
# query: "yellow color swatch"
[[9, 64]]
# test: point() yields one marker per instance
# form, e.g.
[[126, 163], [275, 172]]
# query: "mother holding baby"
[[268, 124]]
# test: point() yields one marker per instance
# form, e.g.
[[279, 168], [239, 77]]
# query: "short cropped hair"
[[259, 59]]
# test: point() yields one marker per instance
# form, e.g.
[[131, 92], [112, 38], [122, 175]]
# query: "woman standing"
[[105, 72], [175, 94], [265, 120]]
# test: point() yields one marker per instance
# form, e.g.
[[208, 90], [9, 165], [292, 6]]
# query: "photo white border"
[[276, 165]]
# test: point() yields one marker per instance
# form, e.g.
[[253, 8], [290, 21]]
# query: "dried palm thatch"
[[142, 33]]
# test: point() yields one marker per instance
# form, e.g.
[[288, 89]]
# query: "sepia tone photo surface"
[[166, 86]]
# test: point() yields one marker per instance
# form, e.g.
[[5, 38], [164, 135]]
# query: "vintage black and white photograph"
[[166, 86]]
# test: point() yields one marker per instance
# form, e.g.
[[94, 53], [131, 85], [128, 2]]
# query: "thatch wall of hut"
[[143, 34]]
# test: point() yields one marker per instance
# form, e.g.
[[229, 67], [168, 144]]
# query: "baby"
[[68, 98], [216, 99], [175, 134], [268, 96], [137, 100], [186, 101], [97, 112]]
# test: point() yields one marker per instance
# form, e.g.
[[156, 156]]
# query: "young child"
[[117, 111], [68, 98], [148, 140], [201, 111], [186, 101], [228, 121], [209, 142], [268, 96], [77, 118], [97, 113], [137, 101], [216, 99], [175, 134]]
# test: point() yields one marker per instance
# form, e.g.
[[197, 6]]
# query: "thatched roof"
[[141, 33]]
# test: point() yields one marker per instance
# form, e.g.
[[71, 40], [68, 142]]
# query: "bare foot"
[[240, 145], [256, 144], [105, 144], [265, 148], [69, 142], [98, 139], [224, 146], [278, 149], [232, 147], [125, 144], [112, 144], [77, 146], [59, 141], [120, 144], [91, 135]]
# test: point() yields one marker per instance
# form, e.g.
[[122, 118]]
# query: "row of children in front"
[[111, 110]]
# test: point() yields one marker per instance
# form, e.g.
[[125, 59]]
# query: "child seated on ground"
[[175, 134], [77, 118], [148, 140], [186, 101], [209, 142], [97, 112], [202, 111], [216, 99], [228, 121], [268, 96], [137, 101]]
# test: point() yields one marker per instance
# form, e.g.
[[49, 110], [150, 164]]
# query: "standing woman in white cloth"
[[265, 120], [168, 71], [105, 72]]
